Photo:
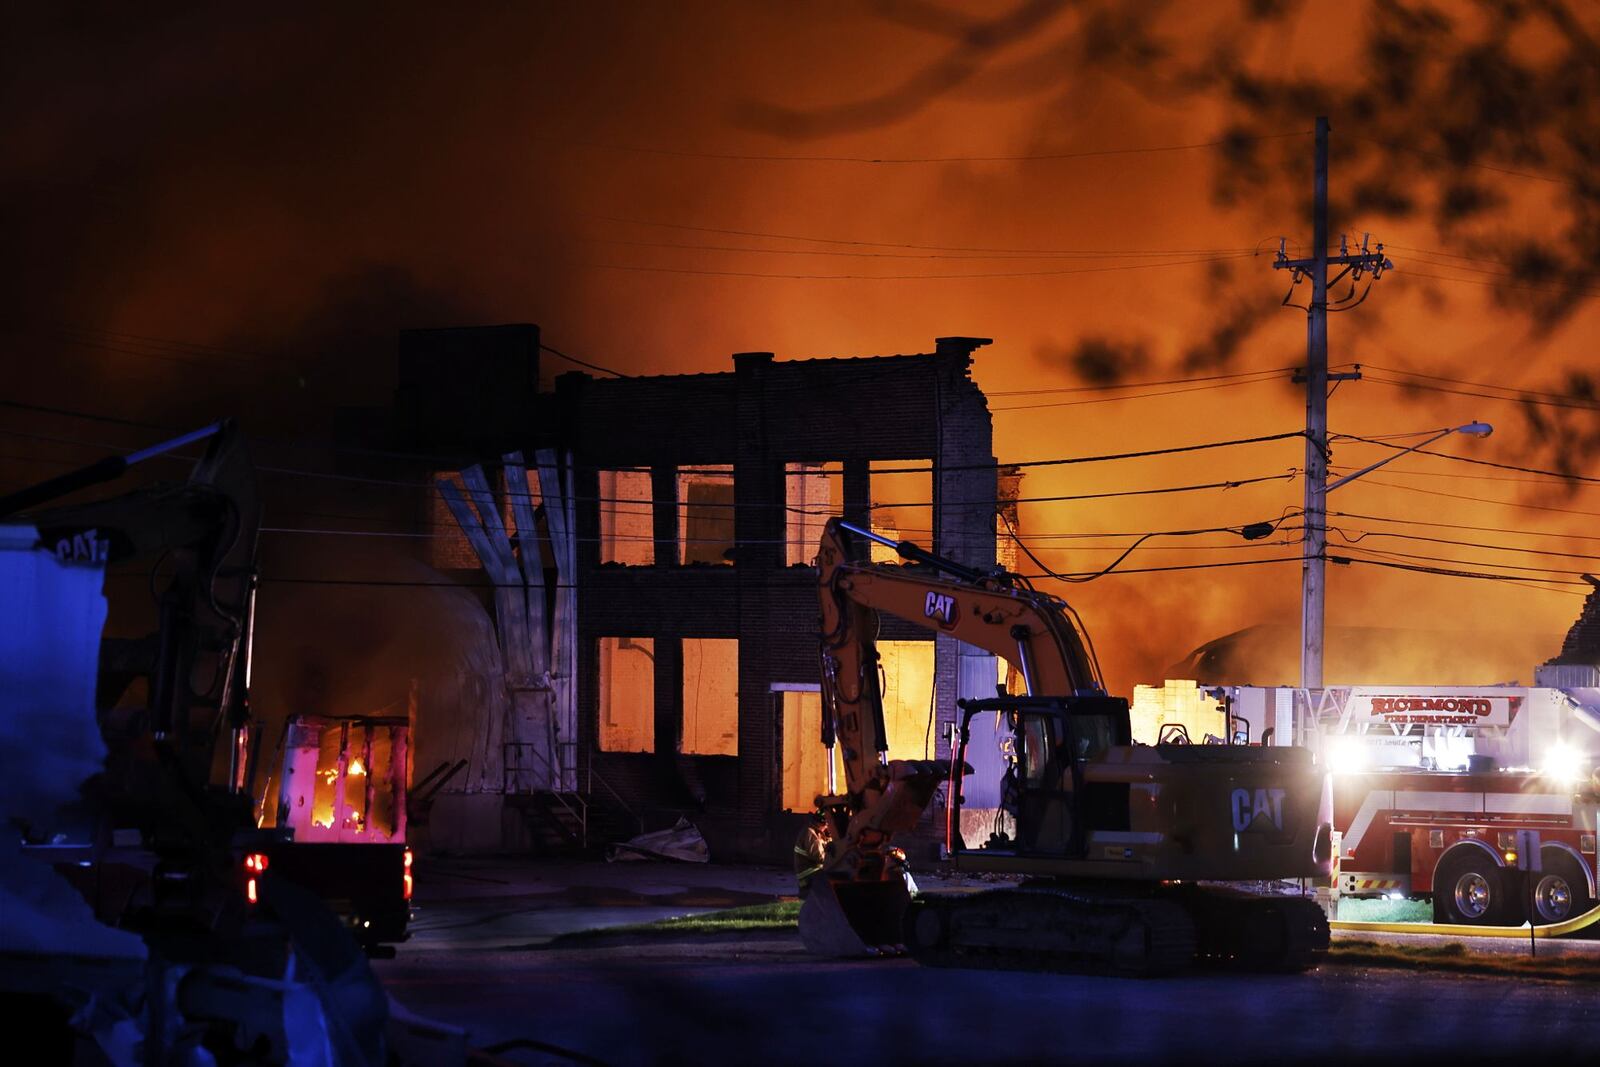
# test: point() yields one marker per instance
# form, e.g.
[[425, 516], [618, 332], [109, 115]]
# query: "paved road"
[[765, 1002], [478, 960], [483, 904]]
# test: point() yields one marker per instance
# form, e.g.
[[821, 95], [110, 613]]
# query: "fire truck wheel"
[[1468, 887], [1560, 891]]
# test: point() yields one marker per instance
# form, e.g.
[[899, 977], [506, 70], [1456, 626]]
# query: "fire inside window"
[[710, 697], [627, 694], [805, 761], [705, 514], [812, 493], [907, 718], [627, 526], [902, 504]]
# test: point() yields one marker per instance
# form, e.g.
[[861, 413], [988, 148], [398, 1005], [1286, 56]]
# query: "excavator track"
[[1243, 931], [1045, 927]]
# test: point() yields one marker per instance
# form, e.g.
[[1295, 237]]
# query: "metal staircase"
[[564, 820]]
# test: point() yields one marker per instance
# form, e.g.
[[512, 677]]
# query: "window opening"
[[627, 694], [705, 514], [902, 504], [812, 493], [627, 525], [710, 696]]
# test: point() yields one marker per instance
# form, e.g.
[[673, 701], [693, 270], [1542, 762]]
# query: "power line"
[[857, 243], [181, 352], [1498, 271], [1526, 398], [459, 537], [638, 505], [424, 457], [1465, 562], [1452, 475], [930, 469], [908, 277], [1392, 436], [1076, 535], [1473, 461], [184, 352], [908, 160], [1464, 381], [1475, 499], [1460, 526], [1135, 385], [1442, 254], [1011, 531], [1146, 453], [1440, 158], [573, 359], [1236, 483], [1089, 575], [1497, 285], [46, 409], [180, 360], [673, 580], [1364, 534], [1046, 255], [1132, 396], [168, 342], [642, 503], [1546, 584]]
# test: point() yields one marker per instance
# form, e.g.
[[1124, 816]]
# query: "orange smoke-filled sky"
[[221, 210]]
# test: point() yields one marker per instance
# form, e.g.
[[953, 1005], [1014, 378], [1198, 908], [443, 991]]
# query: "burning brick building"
[[1577, 665], [691, 506]]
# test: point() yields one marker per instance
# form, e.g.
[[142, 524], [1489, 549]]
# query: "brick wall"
[[759, 416]]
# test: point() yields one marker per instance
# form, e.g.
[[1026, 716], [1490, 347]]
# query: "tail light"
[[255, 865], [407, 884]]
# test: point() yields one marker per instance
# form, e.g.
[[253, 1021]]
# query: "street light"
[[1471, 429], [1312, 589]]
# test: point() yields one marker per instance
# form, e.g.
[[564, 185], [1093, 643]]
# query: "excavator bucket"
[[855, 918]]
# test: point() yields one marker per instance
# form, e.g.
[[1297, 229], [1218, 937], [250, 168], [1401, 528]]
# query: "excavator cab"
[[1053, 739]]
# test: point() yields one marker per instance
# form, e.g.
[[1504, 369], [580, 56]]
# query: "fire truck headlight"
[[1345, 754], [1565, 764]]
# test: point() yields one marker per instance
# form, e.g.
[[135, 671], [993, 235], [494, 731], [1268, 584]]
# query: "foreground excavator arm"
[[851, 845], [1026, 628]]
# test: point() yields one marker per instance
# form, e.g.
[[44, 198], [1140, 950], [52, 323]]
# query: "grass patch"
[[1455, 957], [779, 916], [1361, 910]]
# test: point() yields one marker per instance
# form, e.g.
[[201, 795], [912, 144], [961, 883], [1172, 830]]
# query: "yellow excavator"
[[1131, 855]]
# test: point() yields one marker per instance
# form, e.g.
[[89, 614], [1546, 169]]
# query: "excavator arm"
[[850, 847], [989, 610], [199, 536]]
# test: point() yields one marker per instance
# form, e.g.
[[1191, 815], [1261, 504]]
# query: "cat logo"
[[1248, 807], [941, 607], [84, 546]]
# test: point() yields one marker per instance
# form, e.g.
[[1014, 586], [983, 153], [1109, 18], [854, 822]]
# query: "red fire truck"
[[1432, 784], [1452, 835]]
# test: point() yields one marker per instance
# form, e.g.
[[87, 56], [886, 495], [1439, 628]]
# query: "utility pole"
[[1315, 540]]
